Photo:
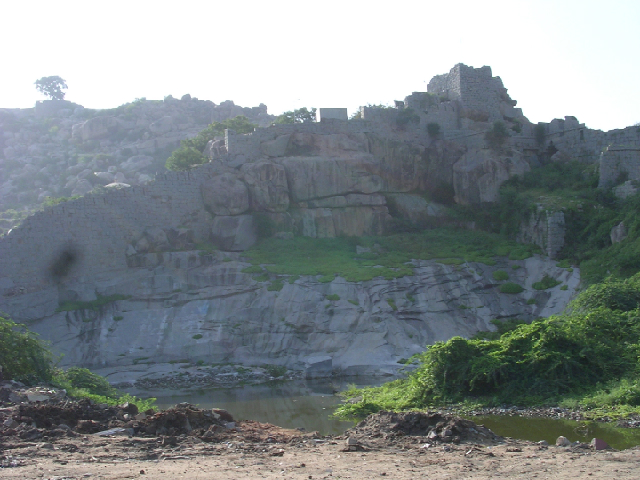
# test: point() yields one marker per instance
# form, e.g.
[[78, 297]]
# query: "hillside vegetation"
[[27, 359], [586, 357]]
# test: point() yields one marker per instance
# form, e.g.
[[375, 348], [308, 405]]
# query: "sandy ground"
[[121, 457], [79, 440]]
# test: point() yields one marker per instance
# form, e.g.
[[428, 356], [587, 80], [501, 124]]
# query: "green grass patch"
[[531, 301], [329, 257], [334, 297], [262, 278], [354, 302], [197, 336], [410, 297], [564, 287], [511, 288], [293, 278], [500, 275], [546, 283], [392, 304], [95, 305], [275, 286], [327, 278]]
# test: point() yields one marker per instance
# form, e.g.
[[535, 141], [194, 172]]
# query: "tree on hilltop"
[[301, 115], [52, 87]]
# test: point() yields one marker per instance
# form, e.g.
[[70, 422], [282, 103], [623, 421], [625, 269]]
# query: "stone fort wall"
[[97, 229]]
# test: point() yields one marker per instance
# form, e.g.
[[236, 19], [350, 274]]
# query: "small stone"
[[352, 441], [562, 442], [543, 443], [599, 444]]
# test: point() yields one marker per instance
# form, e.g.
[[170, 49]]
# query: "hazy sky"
[[556, 57]]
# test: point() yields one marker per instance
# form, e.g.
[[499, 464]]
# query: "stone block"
[[225, 195]]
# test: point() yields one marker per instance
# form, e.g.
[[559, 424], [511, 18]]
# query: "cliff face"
[[189, 306], [326, 179]]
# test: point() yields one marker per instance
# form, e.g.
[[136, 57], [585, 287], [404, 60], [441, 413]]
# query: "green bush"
[[392, 304], [500, 275], [185, 158], [87, 380], [23, 356], [563, 356], [334, 297], [546, 283], [197, 336], [511, 287]]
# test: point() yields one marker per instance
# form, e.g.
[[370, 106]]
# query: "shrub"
[[392, 304], [197, 336], [546, 283], [510, 287], [87, 380], [185, 158], [333, 297], [23, 356], [500, 275], [275, 370], [531, 301]]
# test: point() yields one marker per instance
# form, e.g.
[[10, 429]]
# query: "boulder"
[[477, 176], [82, 187], [317, 177], [95, 128], [268, 186], [136, 163], [338, 144], [618, 233], [351, 200], [233, 233], [562, 441], [164, 125], [225, 195], [275, 148]]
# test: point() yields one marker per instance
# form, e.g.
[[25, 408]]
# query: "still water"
[[309, 404]]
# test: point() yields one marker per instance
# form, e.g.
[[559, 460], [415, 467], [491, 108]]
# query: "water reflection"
[[549, 429], [303, 404]]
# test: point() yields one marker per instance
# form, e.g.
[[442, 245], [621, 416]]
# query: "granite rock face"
[[186, 305], [225, 195]]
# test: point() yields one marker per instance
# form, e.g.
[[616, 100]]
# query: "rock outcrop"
[[186, 305]]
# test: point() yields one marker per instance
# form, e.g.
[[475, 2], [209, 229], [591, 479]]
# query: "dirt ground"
[[79, 440]]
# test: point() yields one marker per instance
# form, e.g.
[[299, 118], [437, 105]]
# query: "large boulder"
[[233, 233], [136, 163], [318, 177], [225, 195], [477, 176], [164, 125], [276, 147], [95, 128], [268, 186], [335, 145]]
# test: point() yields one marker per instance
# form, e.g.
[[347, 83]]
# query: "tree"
[[184, 158], [301, 115], [191, 151], [52, 87]]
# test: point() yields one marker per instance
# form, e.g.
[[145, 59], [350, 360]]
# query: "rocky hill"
[[61, 149], [172, 268]]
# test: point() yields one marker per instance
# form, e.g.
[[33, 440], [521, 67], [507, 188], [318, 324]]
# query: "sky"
[[556, 57]]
